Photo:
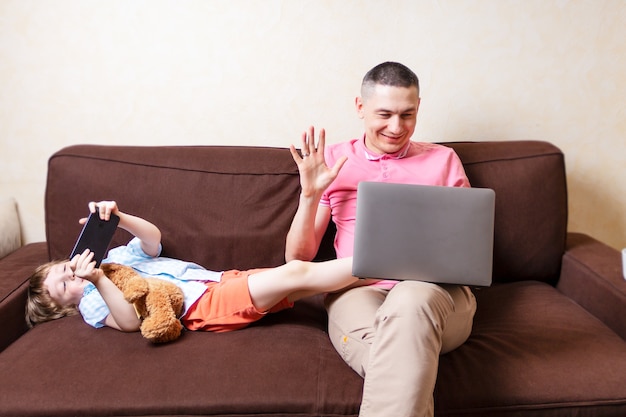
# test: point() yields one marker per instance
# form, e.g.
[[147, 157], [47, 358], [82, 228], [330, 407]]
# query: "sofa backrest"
[[231, 207], [531, 205], [221, 207]]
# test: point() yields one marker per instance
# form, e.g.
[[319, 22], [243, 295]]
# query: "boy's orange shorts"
[[226, 305]]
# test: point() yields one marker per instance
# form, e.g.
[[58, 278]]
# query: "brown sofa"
[[548, 338]]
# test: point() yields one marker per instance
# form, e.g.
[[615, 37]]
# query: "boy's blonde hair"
[[40, 307]]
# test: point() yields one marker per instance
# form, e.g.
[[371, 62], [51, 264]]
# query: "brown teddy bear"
[[158, 303]]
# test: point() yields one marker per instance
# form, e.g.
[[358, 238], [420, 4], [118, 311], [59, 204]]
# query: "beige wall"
[[260, 72]]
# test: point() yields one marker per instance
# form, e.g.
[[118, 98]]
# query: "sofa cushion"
[[223, 203], [284, 364], [533, 352], [10, 234], [531, 205]]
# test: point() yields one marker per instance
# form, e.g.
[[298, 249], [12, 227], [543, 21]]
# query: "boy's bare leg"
[[298, 279]]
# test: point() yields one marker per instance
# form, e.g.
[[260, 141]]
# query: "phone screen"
[[96, 236]]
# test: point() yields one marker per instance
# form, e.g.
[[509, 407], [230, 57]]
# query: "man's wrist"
[[310, 198]]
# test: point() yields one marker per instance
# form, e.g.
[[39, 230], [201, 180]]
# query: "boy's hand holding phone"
[[84, 266], [98, 230], [103, 208]]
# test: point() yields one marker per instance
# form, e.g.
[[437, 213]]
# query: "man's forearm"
[[302, 239]]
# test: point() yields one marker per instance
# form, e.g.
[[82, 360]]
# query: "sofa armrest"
[[591, 275], [15, 269]]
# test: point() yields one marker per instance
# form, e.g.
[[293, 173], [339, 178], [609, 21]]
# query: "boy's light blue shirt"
[[189, 276]]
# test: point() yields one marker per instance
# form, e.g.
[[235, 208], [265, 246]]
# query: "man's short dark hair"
[[390, 73]]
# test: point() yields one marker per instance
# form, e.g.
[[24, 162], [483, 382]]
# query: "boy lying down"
[[213, 301]]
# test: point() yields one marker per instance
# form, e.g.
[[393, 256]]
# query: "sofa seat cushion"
[[533, 352], [283, 365]]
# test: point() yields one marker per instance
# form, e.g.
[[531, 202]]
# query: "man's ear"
[[358, 102]]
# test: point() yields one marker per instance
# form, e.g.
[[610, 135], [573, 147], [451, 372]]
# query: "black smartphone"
[[96, 236]]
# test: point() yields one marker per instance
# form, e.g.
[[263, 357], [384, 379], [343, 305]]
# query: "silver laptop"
[[426, 233]]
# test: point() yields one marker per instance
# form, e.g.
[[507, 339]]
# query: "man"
[[389, 332]]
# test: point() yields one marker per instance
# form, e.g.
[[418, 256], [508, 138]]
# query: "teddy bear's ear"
[[109, 268]]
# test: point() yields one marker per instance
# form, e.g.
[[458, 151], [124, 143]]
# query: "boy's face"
[[64, 287], [389, 115]]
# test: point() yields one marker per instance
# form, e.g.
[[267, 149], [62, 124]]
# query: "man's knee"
[[418, 299]]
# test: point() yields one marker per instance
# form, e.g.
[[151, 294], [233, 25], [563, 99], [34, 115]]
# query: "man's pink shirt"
[[417, 163]]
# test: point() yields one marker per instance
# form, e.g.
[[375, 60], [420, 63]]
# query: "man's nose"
[[395, 124]]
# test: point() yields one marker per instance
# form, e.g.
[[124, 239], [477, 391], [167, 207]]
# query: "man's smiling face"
[[390, 115]]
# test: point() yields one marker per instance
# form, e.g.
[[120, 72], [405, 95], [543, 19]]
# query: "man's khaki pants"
[[393, 338]]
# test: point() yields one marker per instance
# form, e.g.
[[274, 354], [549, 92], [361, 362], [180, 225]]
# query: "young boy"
[[214, 301]]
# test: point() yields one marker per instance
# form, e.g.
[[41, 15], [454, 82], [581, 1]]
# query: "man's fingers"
[[294, 154], [339, 164], [322, 141]]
